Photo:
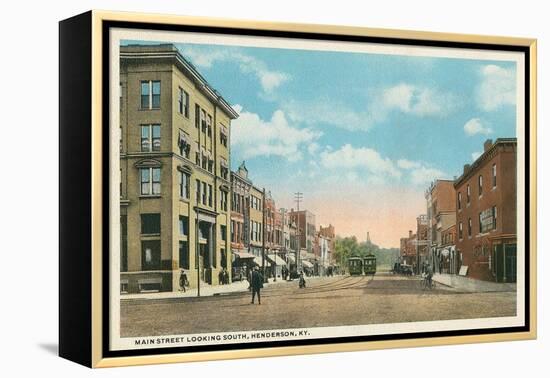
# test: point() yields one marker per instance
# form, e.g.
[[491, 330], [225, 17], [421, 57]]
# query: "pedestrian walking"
[[183, 280], [257, 282], [302, 281]]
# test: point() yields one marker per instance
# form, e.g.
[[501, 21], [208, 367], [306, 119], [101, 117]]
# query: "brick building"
[[240, 222], [441, 215], [407, 249], [486, 213]]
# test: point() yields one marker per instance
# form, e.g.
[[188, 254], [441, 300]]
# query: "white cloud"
[[497, 87], [476, 126], [424, 175], [254, 136], [268, 79], [359, 158], [313, 148], [475, 155], [420, 173], [367, 165], [408, 164], [329, 111], [420, 101]]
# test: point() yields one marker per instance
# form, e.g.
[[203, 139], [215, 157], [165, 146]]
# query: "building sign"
[[487, 219]]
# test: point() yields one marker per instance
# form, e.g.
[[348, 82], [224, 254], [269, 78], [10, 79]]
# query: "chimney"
[[466, 167], [410, 234], [488, 143]]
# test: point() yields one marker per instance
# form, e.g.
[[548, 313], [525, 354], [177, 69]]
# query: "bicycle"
[[427, 283]]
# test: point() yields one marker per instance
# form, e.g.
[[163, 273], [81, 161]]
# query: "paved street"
[[340, 300]]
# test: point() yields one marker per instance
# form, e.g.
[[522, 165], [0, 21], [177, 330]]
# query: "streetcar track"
[[269, 292]]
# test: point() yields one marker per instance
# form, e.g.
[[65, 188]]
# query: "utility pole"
[[298, 197]]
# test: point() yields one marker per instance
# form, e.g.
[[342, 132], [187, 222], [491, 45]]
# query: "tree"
[[344, 248]]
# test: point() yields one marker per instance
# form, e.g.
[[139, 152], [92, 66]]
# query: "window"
[[183, 144], [184, 254], [150, 138], [480, 217], [150, 94], [223, 231], [224, 169], [469, 226], [198, 187], [459, 202], [223, 200], [203, 120], [150, 255], [209, 125], [120, 96], [150, 223], [494, 217], [123, 243], [204, 162], [210, 165], [468, 194], [460, 231], [150, 181], [233, 231], [120, 139], [204, 193], [184, 185], [184, 225], [480, 184], [223, 135], [197, 154], [210, 195], [120, 184], [183, 103], [494, 175]]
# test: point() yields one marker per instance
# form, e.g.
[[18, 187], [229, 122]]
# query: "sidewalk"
[[471, 285], [205, 289]]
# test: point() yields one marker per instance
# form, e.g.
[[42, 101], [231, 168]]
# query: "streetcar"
[[369, 265], [358, 266], [355, 266]]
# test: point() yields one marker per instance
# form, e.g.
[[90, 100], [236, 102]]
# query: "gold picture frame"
[[84, 198]]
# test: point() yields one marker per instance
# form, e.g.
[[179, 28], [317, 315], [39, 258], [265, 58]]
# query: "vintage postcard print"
[[285, 191]]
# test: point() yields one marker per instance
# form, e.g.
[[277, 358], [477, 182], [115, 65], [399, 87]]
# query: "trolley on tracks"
[[358, 266], [369, 265], [355, 266]]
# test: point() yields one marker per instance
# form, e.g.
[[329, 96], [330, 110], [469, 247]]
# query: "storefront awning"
[[258, 261], [277, 260], [243, 254], [291, 259], [307, 264]]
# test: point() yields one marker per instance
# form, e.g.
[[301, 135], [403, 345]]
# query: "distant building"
[[289, 249], [407, 249], [305, 221], [240, 221], [421, 242], [486, 213], [323, 248], [441, 215]]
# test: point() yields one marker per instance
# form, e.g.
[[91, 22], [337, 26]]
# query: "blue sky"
[[325, 122]]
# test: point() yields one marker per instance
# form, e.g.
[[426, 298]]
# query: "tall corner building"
[[175, 176]]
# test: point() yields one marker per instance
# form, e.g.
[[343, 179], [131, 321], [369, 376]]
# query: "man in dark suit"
[[257, 282]]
